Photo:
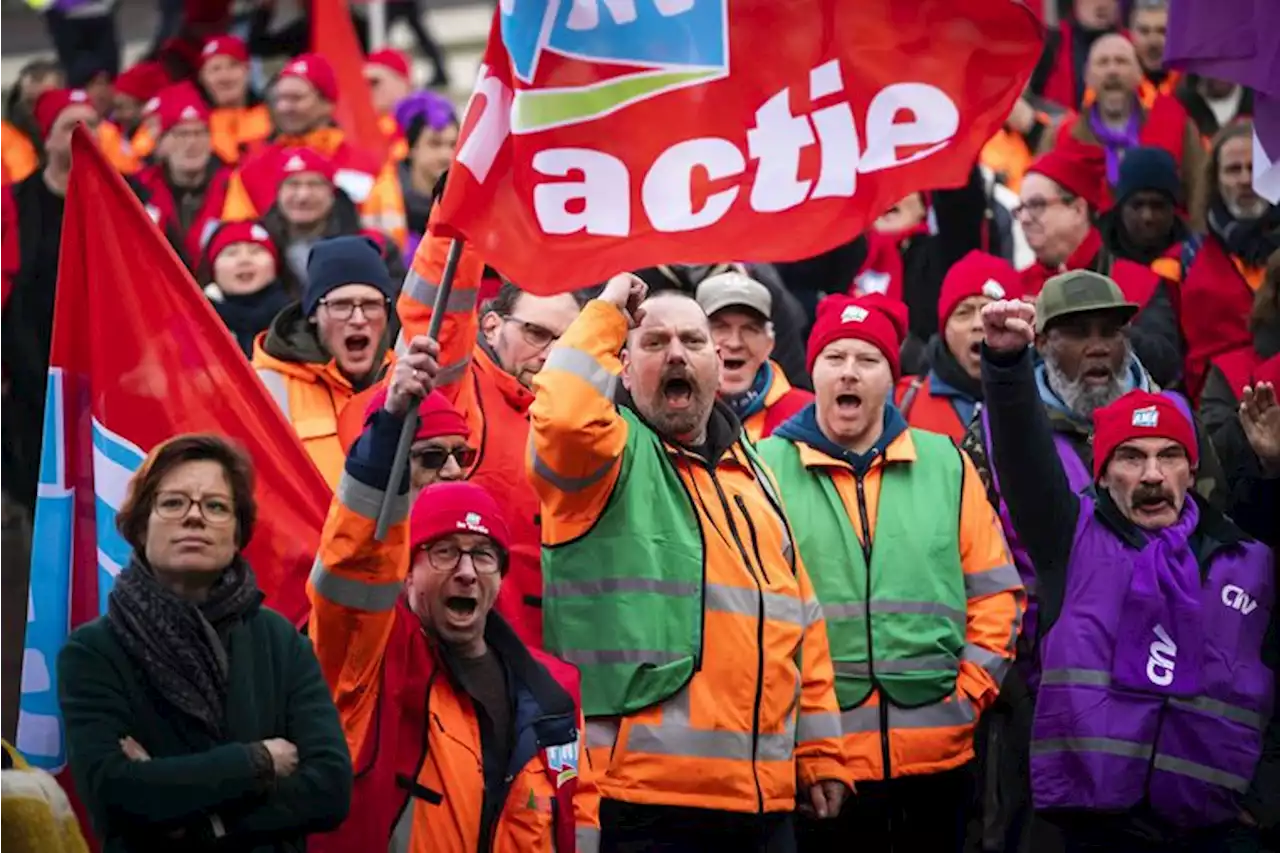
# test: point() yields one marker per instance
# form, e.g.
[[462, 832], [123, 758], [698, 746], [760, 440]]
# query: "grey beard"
[[1082, 399], [1255, 209]]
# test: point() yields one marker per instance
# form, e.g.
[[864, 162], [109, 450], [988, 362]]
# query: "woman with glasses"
[[463, 737], [194, 715]]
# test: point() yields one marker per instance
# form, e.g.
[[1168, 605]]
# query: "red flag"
[[710, 131], [334, 37]]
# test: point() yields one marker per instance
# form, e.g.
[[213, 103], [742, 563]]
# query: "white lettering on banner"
[[1237, 599], [585, 14], [776, 142], [1160, 664], [492, 128]]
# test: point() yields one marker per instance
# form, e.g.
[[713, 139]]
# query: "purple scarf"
[[1114, 142], [1158, 644]]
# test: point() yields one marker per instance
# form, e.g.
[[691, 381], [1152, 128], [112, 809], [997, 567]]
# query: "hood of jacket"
[[803, 426], [292, 340]]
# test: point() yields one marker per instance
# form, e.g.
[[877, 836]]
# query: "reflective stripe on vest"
[[366, 596], [957, 711], [420, 289], [676, 737], [587, 839], [276, 386], [1202, 704]]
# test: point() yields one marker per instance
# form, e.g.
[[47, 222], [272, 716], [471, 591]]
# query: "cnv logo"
[[663, 44], [1160, 664]]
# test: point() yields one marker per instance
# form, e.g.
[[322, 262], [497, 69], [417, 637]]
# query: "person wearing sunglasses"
[[440, 451]]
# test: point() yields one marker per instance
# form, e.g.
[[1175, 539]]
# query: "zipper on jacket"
[[755, 710], [751, 531], [1155, 742], [871, 665]]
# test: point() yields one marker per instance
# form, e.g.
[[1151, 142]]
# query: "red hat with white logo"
[[874, 318], [296, 161], [228, 46], [390, 59], [50, 104], [1141, 414], [239, 232], [177, 107], [316, 70], [977, 274], [456, 507]]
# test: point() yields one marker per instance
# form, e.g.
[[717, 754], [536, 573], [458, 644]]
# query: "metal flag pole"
[[400, 465]]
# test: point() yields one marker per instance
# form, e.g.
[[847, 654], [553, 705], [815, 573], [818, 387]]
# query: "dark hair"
[[508, 294], [135, 513], [1236, 130], [417, 125]]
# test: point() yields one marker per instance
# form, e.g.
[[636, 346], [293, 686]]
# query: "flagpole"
[[400, 465]]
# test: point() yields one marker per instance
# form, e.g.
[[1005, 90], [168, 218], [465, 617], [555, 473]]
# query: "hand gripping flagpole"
[[400, 465]]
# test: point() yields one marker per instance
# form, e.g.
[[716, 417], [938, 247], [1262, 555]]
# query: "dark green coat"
[[275, 690]]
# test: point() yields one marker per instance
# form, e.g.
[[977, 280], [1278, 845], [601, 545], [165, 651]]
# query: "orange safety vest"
[[118, 151], [18, 156], [232, 130]]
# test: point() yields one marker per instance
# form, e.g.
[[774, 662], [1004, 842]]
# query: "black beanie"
[[340, 261], [1147, 168]]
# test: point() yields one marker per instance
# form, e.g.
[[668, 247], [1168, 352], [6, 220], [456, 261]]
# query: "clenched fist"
[[1009, 325]]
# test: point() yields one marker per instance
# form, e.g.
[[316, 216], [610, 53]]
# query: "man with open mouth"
[[918, 588], [751, 383], [321, 351], [673, 583], [463, 737], [1159, 641]]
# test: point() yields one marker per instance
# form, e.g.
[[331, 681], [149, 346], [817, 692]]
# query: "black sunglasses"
[[434, 458]]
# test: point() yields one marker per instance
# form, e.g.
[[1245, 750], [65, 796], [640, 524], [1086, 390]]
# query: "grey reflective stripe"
[[1111, 746], [605, 586], [1085, 677], [676, 737], [1236, 714], [959, 711], [1212, 775], [818, 726], [365, 501], [994, 663], [402, 832], [570, 484], [587, 839], [602, 732], [370, 597], [583, 365], [425, 292], [582, 657], [812, 612], [277, 388], [863, 668], [745, 601], [858, 609], [451, 373], [1000, 579]]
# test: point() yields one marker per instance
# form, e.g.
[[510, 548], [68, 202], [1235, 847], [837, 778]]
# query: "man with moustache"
[[673, 583], [1155, 727]]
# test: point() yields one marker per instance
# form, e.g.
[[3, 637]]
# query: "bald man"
[[1116, 120]]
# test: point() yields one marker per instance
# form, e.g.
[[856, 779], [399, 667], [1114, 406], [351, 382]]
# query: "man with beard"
[[1148, 27], [1154, 727], [1222, 271], [1145, 222], [673, 582]]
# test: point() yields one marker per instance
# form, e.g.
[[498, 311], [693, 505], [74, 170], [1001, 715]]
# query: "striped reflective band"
[[1000, 579], [1200, 704], [1110, 746], [583, 365], [994, 663], [587, 839], [818, 726], [675, 736], [605, 586], [861, 669], [580, 657], [451, 373], [602, 732], [958, 711], [745, 601], [424, 291], [1182, 767], [366, 596], [858, 609], [812, 612], [277, 388], [365, 501], [570, 484]]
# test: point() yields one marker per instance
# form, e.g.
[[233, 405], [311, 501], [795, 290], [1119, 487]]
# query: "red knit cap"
[[143, 81], [1141, 414], [874, 318], [224, 46], [456, 507], [50, 104], [295, 161], [1079, 169], [390, 59], [977, 274], [239, 232], [436, 416], [178, 106], [316, 70]]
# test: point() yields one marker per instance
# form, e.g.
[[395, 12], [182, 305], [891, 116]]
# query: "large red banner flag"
[[609, 136], [139, 356], [334, 36]]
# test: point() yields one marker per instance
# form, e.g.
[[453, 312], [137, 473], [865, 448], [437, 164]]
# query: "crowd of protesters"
[[959, 536]]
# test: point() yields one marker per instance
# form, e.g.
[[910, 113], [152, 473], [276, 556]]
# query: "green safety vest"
[[915, 587]]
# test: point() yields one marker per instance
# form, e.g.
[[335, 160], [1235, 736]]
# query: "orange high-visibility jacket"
[[758, 718], [18, 157], [232, 131]]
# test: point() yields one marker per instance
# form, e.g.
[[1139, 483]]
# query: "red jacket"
[[1216, 302], [1136, 281], [356, 171], [1244, 366], [1164, 125], [925, 411], [163, 207], [8, 243]]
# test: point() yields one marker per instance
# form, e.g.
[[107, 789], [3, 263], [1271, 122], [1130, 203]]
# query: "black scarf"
[[178, 645], [1117, 239], [944, 363], [1250, 240], [248, 314]]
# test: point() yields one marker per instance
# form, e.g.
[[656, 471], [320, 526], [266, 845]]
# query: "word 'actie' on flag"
[[139, 356], [609, 135]]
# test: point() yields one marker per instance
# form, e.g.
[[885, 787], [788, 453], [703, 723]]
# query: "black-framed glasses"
[[533, 334], [1035, 207], [435, 458], [444, 556], [173, 506], [343, 309]]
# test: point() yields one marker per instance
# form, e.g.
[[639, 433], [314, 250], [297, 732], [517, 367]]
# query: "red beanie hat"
[[1141, 414], [391, 59], [224, 46], [977, 274], [50, 104], [457, 507], [436, 415], [316, 70], [240, 232], [177, 106], [295, 161], [874, 318], [143, 81], [1079, 169]]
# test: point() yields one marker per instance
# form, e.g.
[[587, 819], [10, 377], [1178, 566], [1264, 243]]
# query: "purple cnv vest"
[[1097, 746]]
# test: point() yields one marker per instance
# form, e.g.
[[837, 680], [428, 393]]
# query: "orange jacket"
[[398, 146], [496, 408], [232, 130], [758, 717], [781, 401], [18, 157], [917, 744], [412, 730], [117, 149]]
